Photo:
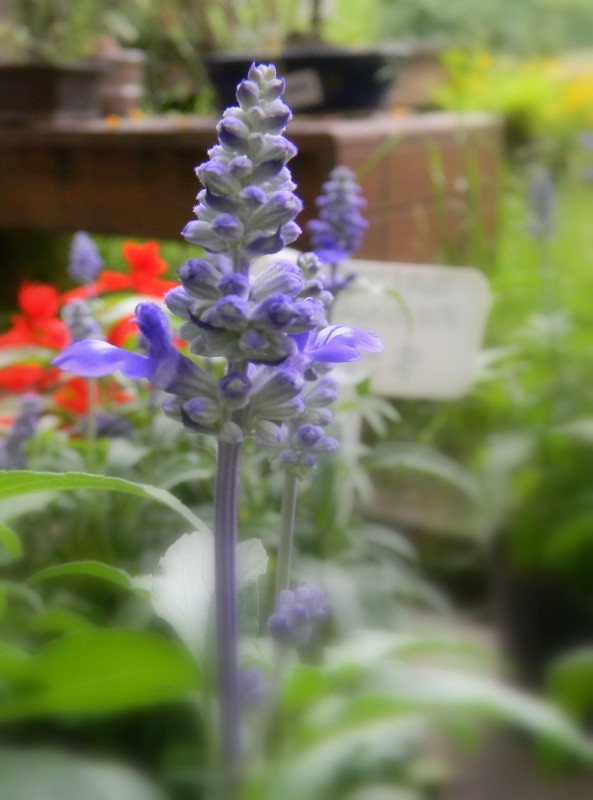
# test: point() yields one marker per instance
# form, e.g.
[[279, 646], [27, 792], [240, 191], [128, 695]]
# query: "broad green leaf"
[[26, 482], [10, 544], [182, 589], [314, 771], [95, 569], [57, 620], [421, 688], [102, 671], [47, 774], [419, 458]]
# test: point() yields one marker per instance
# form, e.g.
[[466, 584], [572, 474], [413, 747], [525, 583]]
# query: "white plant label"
[[431, 320], [303, 88]]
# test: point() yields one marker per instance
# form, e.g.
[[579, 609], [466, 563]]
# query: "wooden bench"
[[431, 180]]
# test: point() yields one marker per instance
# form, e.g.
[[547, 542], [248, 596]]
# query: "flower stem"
[[289, 498], [227, 628], [91, 425]]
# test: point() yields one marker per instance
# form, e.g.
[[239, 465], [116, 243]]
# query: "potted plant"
[[319, 76], [47, 72]]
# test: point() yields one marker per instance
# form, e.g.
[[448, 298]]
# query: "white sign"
[[431, 320], [303, 89]]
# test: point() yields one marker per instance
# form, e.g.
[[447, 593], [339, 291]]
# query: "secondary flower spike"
[[338, 231]]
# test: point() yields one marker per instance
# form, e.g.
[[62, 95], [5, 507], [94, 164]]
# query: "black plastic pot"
[[39, 92], [317, 81], [540, 615]]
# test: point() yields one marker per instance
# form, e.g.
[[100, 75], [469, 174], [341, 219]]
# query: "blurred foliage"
[[544, 104], [525, 28]]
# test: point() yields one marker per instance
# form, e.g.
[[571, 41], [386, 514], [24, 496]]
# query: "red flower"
[[123, 331], [145, 265], [21, 378], [74, 395], [38, 323]]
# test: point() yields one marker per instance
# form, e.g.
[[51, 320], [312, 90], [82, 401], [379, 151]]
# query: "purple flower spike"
[[85, 263], [338, 231]]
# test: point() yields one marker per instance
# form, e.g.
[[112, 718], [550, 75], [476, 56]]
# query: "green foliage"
[[493, 24]]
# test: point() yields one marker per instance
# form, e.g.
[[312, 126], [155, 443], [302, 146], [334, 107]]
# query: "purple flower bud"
[[229, 313], [232, 132], [276, 311], [234, 390], [201, 414], [227, 226], [307, 436], [281, 277], [235, 284]]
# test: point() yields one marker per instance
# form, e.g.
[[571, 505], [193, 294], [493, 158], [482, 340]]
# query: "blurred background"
[[470, 129]]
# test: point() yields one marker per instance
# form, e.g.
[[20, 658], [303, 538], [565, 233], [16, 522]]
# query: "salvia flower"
[[338, 231], [13, 446], [297, 612], [80, 321], [85, 262], [542, 204]]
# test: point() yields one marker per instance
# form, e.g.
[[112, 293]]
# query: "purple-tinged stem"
[[227, 628]]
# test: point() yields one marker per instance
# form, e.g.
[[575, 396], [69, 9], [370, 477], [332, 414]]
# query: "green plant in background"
[[543, 106], [498, 25], [54, 30]]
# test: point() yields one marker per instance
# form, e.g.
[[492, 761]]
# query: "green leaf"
[[430, 689], [102, 671], [303, 687], [95, 569], [182, 589], [26, 482], [11, 548], [45, 774], [13, 661], [418, 458], [22, 592], [570, 682], [314, 772]]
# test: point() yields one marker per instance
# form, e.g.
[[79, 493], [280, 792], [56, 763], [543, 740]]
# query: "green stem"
[[91, 422], [289, 498]]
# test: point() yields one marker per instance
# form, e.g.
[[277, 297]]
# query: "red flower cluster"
[[37, 325]]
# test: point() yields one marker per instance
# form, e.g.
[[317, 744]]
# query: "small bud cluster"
[[297, 612], [13, 446]]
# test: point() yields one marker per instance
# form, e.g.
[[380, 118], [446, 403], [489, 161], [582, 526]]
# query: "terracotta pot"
[[41, 92], [540, 615]]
